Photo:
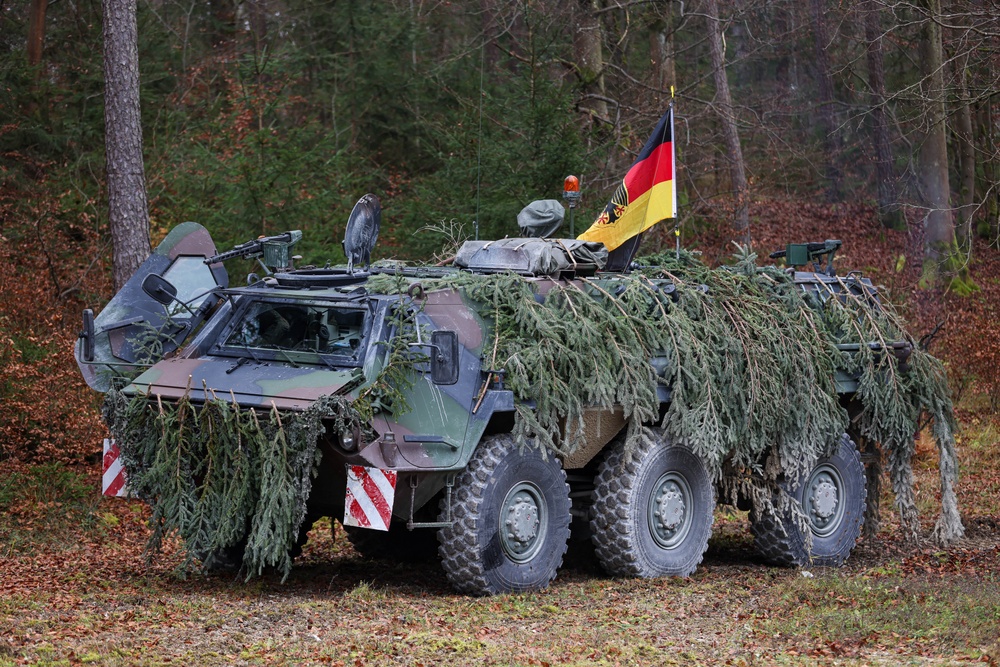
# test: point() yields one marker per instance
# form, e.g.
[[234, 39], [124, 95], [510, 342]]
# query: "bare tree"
[[889, 211], [940, 248], [588, 45], [987, 136], [127, 207], [966, 151], [662, 63], [827, 117], [724, 106]]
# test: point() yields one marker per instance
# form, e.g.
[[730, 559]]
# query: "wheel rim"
[[823, 500], [670, 512], [523, 522]]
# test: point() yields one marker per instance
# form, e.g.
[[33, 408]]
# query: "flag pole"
[[673, 172]]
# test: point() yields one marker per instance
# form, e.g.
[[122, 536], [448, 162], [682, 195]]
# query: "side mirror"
[[159, 289], [87, 335], [444, 357]]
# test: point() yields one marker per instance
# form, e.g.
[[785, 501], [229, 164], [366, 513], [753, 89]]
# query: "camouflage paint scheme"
[[426, 445], [131, 312], [437, 435]]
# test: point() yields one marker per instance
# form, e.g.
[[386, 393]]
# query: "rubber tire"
[[624, 541], [472, 550], [780, 540], [397, 544]]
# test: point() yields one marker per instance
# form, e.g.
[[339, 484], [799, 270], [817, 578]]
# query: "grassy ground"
[[74, 589]]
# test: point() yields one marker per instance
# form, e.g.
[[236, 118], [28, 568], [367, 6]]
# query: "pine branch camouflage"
[[749, 359], [223, 477]]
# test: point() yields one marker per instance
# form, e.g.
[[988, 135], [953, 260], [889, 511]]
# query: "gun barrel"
[[253, 248], [244, 250]]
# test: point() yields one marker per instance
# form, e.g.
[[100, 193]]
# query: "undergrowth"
[[44, 505]]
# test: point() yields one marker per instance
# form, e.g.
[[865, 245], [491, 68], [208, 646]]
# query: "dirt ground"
[[86, 596]]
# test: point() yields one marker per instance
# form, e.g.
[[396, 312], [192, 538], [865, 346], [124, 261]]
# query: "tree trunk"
[[724, 105], [889, 212], [128, 215], [990, 177], [940, 247], [661, 54], [588, 47], [827, 116], [36, 30], [966, 154]]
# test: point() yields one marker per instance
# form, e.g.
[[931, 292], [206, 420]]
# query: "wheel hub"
[[822, 500], [522, 521], [669, 515]]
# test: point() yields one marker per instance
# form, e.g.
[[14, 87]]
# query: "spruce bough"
[[750, 361], [748, 357]]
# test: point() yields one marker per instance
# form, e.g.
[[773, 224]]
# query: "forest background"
[[261, 116], [871, 121]]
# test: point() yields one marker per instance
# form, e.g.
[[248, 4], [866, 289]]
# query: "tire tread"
[[615, 537]]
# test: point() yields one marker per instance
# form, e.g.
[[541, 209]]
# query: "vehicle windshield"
[[298, 332]]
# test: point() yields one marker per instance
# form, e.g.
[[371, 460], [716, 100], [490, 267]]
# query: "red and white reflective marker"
[[370, 492], [114, 472]]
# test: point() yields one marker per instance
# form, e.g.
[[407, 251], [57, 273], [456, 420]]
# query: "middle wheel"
[[510, 520], [652, 513]]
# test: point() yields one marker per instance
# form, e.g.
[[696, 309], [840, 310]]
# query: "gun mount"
[[800, 254], [275, 251]]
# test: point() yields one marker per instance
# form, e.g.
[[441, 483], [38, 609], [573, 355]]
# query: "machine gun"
[[800, 254], [275, 251]]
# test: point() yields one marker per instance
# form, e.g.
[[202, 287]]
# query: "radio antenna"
[[479, 149]]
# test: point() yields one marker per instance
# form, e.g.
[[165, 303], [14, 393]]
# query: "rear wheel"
[[832, 496], [653, 512], [510, 520]]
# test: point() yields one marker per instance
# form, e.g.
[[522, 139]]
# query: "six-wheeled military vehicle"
[[443, 461]]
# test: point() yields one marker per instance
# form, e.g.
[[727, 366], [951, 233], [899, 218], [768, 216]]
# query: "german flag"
[[647, 194]]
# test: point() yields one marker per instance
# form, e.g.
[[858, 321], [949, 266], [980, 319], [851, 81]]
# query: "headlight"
[[348, 440]]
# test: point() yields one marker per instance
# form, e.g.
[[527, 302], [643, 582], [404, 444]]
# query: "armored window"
[[297, 332], [189, 275]]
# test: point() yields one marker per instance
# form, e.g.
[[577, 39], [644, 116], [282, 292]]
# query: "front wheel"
[[653, 511], [832, 497], [510, 521]]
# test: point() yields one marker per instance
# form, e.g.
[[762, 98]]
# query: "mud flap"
[[370, 494]]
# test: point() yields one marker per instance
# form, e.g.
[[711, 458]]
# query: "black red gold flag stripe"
[[646, 195]]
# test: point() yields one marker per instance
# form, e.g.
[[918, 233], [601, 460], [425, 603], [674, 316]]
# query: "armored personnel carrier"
[[426, 437]]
